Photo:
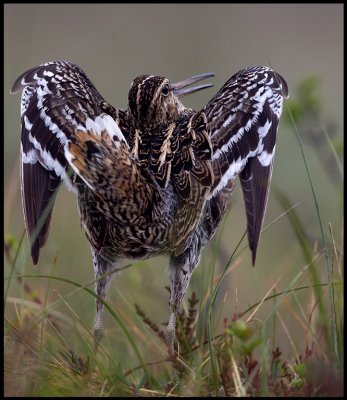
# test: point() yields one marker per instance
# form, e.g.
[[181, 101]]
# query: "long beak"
[[178, 87]]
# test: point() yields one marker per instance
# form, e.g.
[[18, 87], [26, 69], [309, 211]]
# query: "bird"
[[154, 178]]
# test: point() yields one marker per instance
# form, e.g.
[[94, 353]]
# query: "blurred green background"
[[114, 44]]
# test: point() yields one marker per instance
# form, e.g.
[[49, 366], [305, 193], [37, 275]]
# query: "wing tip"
[[20, 83], [35, 252], [37, 243], [17, 86], [41, 239], [283, 85], [253, 244], [254, 255]]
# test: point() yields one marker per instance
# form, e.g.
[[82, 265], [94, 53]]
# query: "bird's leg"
[[101, 267], [170, 331], [180, 270]]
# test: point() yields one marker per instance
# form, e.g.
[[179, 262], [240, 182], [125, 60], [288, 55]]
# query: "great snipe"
[[154, 178]]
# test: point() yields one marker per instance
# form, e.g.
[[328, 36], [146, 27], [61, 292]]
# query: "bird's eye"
[[165, 90]]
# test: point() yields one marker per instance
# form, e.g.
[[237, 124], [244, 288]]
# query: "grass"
[[239, 360], [42, 362], [48, 343]]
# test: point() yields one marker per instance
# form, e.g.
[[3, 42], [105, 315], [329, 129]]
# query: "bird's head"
[[153, 100]]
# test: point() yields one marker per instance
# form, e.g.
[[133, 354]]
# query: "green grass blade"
[[332, 310], [13, 268], [212, 302], [334, 152], [107, 306]]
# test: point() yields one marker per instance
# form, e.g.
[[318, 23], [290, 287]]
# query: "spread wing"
[[57, 100], [243, 119]]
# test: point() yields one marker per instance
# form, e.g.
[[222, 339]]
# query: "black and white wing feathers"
[[57, 100], [243, 119]]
